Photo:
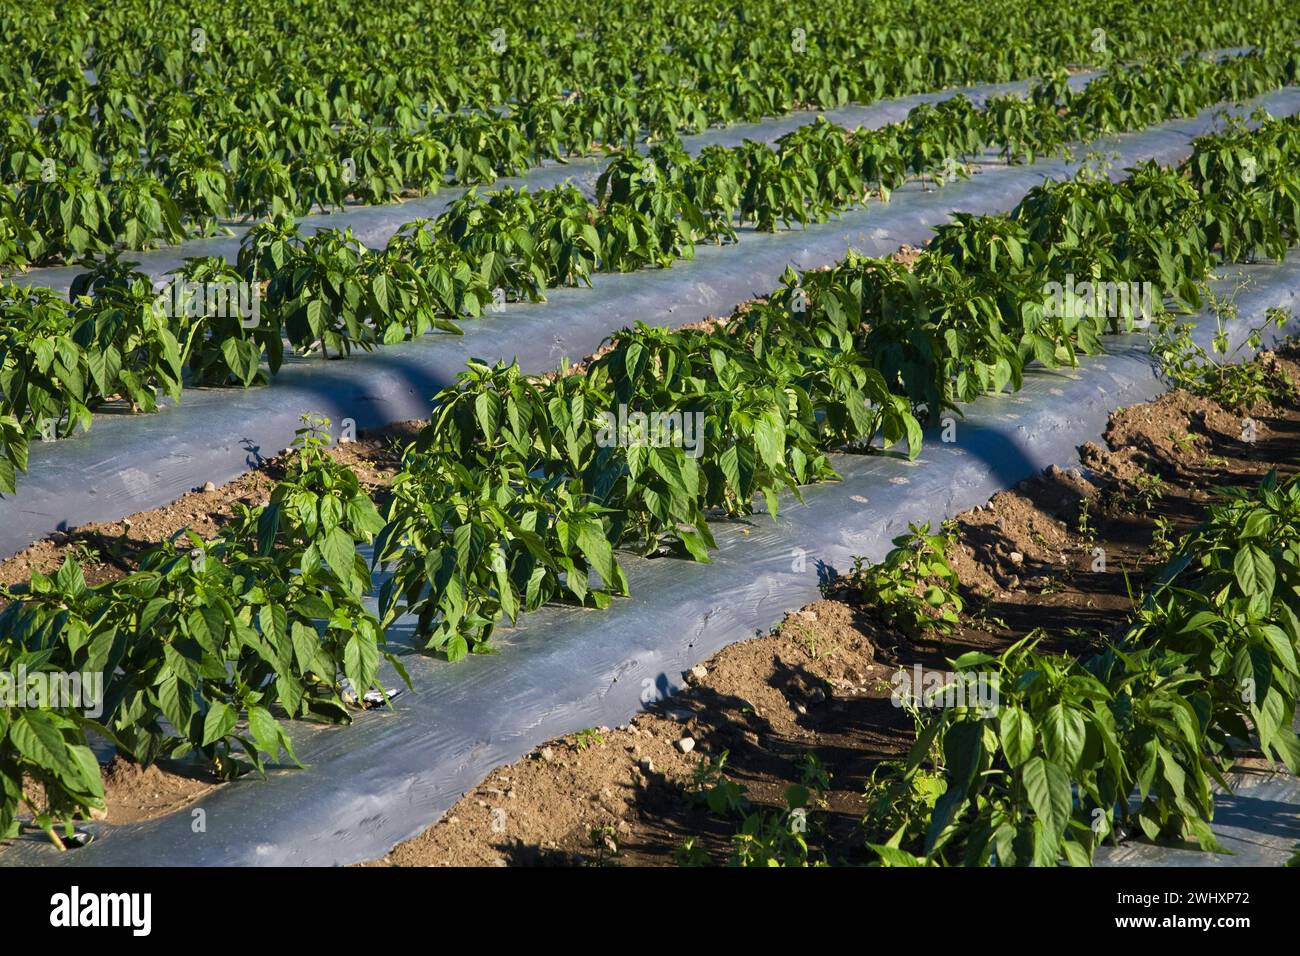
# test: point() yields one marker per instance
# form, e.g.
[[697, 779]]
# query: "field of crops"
[[367, 467]]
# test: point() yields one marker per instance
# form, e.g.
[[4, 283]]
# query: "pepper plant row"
[[832, 359], [522, 491], [139, 123], [327, 292], [1131, 739], [202, 647]]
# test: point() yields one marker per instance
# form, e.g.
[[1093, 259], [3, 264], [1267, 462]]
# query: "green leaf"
[[487, 408], [963, 751], [1277, 640], [360, 662], [1017, 734], [595, 547], [1048, 787], [40, 741], [1064, 733], [380, 288], [1254, 571], [769, 437], [265, 730], [219, 722], [894, 856], [340, 551]]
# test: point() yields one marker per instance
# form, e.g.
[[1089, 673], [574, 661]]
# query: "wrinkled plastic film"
[[131, 463], [396, 771], [374, 225], [1258, 823]]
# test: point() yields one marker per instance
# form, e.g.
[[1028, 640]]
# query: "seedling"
[[915, 587]]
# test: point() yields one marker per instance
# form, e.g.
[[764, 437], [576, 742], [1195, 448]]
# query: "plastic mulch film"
[[397, 770], [1258, 823], [131, 463], [373, 225]]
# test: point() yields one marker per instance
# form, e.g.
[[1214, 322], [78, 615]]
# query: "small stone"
[[686, 744], [1016, 557], [817, 695], [209, 486], [547, 754], [453, 819], [647, 765], [800, 709], [696, 674], [500, 861]]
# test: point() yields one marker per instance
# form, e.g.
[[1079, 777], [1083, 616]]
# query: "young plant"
[[1214, 373], [914, 588]]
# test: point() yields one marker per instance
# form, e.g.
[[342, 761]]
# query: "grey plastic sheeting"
[[131, 463], [373, 225], [396, 771], [1258, 823]]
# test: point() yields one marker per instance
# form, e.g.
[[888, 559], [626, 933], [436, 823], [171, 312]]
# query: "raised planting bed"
[[393, 772], [131, 463]]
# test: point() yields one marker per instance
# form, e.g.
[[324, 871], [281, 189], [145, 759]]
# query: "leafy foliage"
[[147, 127], [914, 587], [1131, 739], [209, 644], [1237, 386], [962, 323]]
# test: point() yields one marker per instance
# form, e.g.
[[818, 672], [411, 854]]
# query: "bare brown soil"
[[1029, 559], [819, 682], [110, 550], [134, 793]]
